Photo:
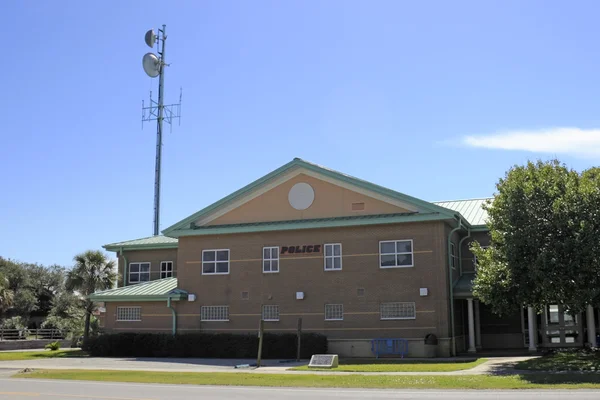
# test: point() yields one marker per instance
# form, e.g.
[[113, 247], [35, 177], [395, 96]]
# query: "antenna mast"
[[157, 111]]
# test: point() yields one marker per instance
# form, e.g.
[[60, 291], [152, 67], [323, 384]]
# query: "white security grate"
[[334, 312], [214, 313], [398, 311], [270, 313], [129, 313]]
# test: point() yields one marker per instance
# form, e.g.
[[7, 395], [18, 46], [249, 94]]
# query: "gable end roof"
[[187, 223]]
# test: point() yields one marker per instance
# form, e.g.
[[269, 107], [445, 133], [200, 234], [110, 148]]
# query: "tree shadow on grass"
[[567, 378]]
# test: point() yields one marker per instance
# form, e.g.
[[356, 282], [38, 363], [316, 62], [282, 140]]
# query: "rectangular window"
[[214, 313], [334, 312], [129, 313], [333, 256], [398, 311], [270, 259], [139, 272], [215, 262], [452, 256], [396, 253], [270, 313], [166, 269]]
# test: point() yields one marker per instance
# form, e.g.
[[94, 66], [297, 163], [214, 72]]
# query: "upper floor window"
[[215, 262], [139, 272], [396, 253], [166, 269], [129, 313], [270, 259], [333, 256], [452, 256]]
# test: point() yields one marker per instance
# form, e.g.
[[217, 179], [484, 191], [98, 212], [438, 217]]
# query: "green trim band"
[[158, 246], [173, 297], [308, 224]]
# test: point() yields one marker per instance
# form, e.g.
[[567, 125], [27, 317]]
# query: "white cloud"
[[571, 141]]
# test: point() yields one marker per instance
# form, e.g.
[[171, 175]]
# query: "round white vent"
[[301, 196]]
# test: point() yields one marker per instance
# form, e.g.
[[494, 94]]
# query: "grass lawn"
[[545, 381], [578, 360], [398, 366], [35, 355]]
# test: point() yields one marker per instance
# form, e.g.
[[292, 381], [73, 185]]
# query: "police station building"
[[356, 261]]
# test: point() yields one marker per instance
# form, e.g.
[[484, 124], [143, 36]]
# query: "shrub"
[[204, 345], [53, 346]]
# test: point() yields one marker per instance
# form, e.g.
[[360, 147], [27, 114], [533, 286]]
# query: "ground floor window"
[[214, 313], [398, 310], [166, 269], [129, 313], [334, 312], [139, 272], [270, 313]]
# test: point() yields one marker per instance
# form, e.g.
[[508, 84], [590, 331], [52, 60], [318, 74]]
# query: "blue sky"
[[435, 99]]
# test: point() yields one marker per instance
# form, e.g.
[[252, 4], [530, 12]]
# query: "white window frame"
[[164, 271], [139, 273], [127, 310], [453, 255], [396, 253], [202, 316], [381, 305], [341, 306], [216, 262], [332, 257], [270, 306], [270, 260]]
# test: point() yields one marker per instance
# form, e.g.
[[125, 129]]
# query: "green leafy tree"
[[67, 314], [6, 295], [92, 272], [544, 224]]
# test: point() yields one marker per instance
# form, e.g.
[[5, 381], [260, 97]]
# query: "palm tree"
[[6, 295], [92, 272]]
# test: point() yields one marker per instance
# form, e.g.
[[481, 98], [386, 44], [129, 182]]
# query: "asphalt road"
[[16, 389]]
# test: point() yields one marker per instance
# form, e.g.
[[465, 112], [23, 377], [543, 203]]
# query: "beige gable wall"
[[330, 201]]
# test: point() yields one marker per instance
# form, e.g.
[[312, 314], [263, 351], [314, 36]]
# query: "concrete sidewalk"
[[496, 366]]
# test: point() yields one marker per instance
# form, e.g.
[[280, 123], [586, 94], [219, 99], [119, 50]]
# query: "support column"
[[477, 326], [591, 326], [531, 316], [472, 348]]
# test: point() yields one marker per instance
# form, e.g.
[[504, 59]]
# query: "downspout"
[[174, 313], [451, 285], [124, 266], [460, 250]]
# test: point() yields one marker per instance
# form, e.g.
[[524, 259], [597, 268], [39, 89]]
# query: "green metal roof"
[[472, 209], [147, 243], [158, 290], [463, 288], [310, 223], [187, 223]]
